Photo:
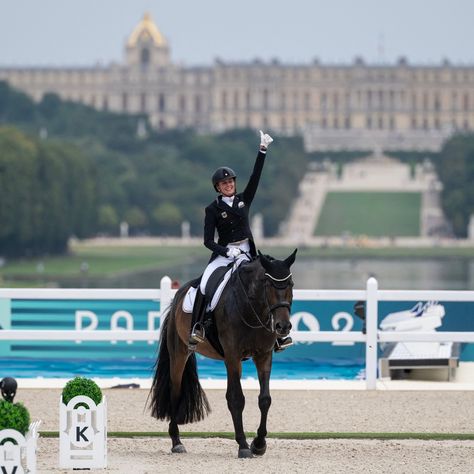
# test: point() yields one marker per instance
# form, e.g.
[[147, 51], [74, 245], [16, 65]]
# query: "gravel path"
[[291, 411]]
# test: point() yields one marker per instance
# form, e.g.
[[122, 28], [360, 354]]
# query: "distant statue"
[[124, 229], [185, 230], [470, 228]]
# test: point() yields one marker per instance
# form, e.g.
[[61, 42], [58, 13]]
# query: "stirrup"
[[198, 333], [282, 344]]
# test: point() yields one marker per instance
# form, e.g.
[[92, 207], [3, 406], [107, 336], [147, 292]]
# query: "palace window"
[[161, 102], [465, 102], [265, 99], [454, 100], [307, 101], [236, 99], [324, 100], [425, 101], [145, 57], [348, 100], [224, 100], [182, 103], [197, 104], [392, 98]]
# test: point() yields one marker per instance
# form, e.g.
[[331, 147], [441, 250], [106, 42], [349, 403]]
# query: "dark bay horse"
[[253, 311]]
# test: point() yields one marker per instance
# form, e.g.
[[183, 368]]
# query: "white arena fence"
[[371, 338]]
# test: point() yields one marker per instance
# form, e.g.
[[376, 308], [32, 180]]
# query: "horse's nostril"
[[283, 326]]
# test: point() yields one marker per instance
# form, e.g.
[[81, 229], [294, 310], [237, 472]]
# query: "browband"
[[278, 279]]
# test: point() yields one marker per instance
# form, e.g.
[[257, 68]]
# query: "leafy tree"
[[455, 167], [136, 219], [108, 220], [46, 195], [167, 218]]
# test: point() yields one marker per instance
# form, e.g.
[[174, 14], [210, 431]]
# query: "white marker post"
[[18, 454], [82, 434]]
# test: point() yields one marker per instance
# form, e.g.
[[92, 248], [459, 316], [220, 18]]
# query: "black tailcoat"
[[232, 223]]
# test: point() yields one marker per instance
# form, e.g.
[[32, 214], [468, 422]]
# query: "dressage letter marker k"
[[80, 433]]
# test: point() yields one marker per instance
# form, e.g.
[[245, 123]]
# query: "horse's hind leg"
[[178, 359], [236, 403], [264, 365], [176, 373]]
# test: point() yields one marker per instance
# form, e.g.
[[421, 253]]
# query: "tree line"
[[69, 170]]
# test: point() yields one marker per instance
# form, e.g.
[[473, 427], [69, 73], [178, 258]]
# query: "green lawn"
[[375, 214], [110, 261], [102, 261]]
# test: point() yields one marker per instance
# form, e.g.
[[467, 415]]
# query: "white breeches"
[[223, 262]]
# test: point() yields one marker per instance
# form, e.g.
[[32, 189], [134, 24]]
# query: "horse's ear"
[[264, 260], [291, 259]]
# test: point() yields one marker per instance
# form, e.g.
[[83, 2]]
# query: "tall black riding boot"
[[198, 333]]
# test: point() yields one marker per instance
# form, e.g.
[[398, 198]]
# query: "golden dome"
[[146, 28]]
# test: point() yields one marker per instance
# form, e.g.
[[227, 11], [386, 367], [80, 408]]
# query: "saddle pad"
[[188, 300]]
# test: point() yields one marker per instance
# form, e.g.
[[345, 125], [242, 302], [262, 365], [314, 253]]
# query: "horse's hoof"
[[245, 453], [258, 451], [179, 448]]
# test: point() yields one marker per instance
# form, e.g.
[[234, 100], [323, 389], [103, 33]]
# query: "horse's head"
[[278, 286]]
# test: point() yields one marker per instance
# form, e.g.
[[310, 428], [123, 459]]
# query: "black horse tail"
[[192, 404]]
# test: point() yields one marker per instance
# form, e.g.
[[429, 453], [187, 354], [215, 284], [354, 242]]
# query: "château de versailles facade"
[[356, 106]]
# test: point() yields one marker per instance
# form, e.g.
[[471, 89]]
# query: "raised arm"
[[252, 185]]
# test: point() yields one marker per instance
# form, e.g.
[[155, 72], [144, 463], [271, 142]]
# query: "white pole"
[[166, 295], [371, 315]]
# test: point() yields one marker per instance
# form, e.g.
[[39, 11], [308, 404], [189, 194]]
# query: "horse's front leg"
[[236, 403], [263, 363]]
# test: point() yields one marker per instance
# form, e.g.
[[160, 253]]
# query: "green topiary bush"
[[82, 386], [14, 416]]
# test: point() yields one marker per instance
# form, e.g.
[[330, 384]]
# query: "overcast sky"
[[85, 32]]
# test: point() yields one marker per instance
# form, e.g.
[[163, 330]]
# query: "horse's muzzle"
[[283, 328]]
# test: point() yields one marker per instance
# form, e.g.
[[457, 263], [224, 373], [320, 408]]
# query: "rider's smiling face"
[[226, 187]]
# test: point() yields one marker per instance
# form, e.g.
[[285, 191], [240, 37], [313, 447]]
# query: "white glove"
[[233, 252], [265, 139]]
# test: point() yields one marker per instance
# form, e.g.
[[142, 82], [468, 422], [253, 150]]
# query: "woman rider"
[[228, 214]]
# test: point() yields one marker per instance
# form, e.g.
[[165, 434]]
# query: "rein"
[[269, 324]]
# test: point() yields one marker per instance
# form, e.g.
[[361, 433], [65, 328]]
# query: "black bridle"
[[269, 320]]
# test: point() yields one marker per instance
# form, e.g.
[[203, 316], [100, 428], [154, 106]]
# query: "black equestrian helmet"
[[222, 173]]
